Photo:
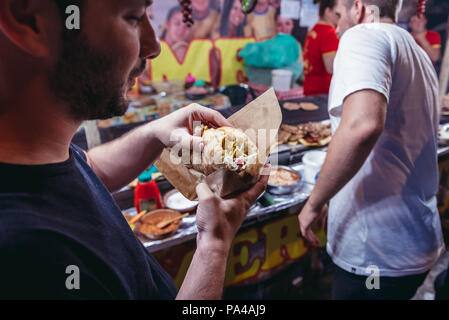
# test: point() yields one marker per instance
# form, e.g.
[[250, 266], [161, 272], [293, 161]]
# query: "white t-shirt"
[[387, 214]]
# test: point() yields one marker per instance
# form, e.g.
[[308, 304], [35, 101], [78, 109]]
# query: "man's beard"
[[89, 81]]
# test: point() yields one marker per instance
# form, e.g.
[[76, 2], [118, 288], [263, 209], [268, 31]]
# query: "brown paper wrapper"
[[264, 113]]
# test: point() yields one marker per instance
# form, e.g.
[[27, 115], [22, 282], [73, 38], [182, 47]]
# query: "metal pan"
[[282, 190]]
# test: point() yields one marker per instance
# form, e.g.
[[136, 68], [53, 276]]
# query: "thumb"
[[203, 191]]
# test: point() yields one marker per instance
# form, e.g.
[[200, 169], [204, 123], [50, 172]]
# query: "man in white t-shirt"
[[381, 170]]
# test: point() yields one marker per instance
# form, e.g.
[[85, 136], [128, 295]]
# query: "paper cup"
[[281, 79], [313, 161]]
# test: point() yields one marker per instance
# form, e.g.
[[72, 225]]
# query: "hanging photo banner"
[[291, 9], [309, 13], [209, 48]]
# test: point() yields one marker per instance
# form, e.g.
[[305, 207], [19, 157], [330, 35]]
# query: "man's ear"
[[25, 23], [360, 13]]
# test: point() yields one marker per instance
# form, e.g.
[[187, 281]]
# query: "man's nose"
[[150, 46]]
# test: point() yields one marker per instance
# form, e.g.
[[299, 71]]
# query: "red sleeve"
[[434, 39], [330, 42]]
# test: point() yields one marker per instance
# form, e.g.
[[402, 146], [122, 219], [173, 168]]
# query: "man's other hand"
[[219, 219]]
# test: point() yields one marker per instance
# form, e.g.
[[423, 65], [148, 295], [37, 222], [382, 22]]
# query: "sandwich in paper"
[[231, 149]]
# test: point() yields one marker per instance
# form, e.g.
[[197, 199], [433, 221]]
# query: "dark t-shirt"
[[60, 215]]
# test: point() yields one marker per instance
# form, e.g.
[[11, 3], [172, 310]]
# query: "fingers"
[[302, 225], [312, 238], [189, 142], [307, 232], [306, 219], [208, 116]]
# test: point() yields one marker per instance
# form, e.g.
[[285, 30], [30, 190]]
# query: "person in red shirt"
[[430, 41], [320, 49]]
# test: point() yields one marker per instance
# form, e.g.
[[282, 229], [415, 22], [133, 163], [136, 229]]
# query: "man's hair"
[[388, 8], [325, 4]]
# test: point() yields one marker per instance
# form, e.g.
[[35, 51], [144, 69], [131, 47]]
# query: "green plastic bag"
[[280, 51]]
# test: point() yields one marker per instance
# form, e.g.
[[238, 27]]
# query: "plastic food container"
[[313, 161], [281, 79]]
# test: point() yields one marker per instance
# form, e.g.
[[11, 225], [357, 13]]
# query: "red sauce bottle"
[[147, 195]]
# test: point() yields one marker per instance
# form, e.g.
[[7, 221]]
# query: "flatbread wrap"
[[229, 148]]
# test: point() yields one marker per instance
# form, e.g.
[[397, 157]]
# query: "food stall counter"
[[283, 204]]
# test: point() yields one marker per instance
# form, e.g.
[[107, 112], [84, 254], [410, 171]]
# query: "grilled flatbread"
[[291, 106], [308, 106]]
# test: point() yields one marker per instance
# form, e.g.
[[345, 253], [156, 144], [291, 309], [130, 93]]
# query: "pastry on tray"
[[306, 106], [309, 134]]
